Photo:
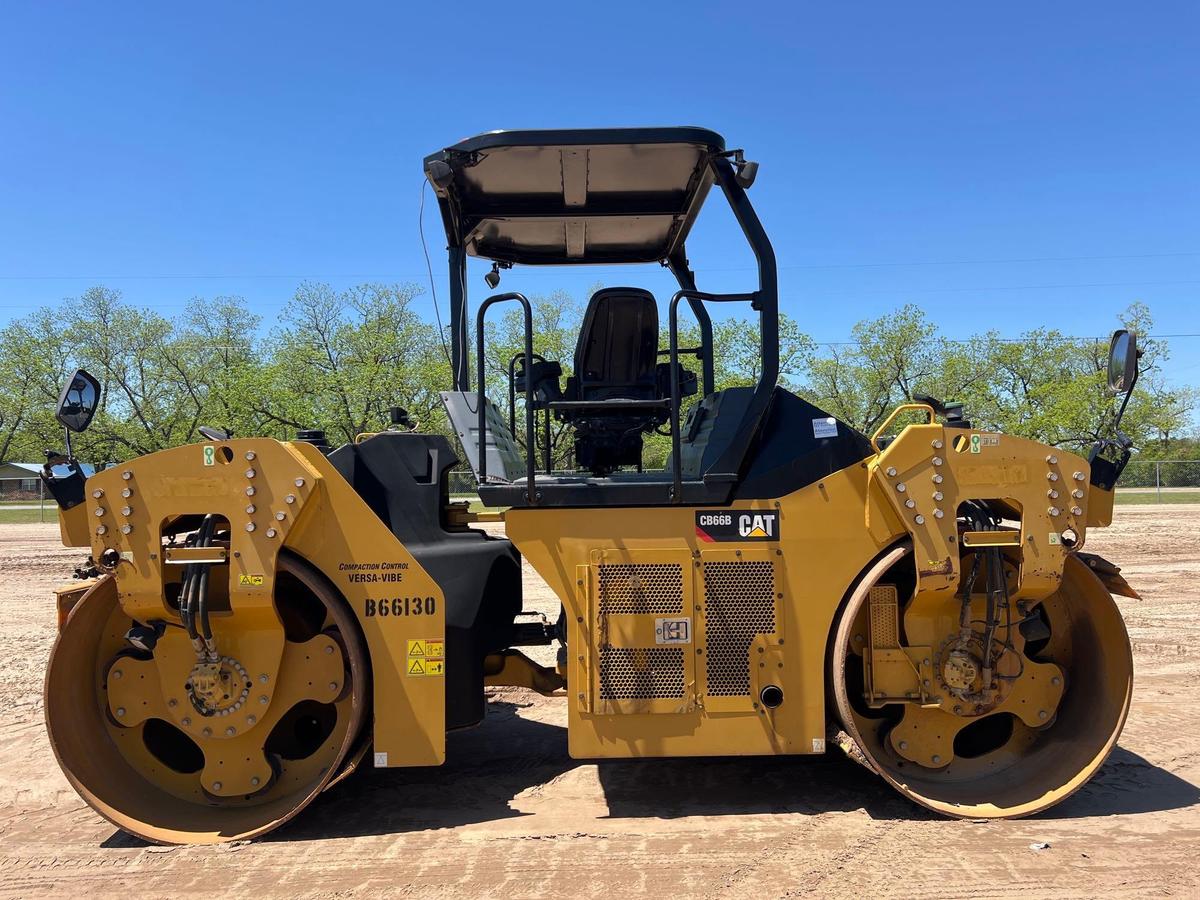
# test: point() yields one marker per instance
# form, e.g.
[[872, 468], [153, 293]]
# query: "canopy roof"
[[610, 195]]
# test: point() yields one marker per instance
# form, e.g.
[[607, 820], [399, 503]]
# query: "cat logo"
[[760, 525], [737, 525]]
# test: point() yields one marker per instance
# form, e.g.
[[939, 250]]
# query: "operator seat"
[[619, 390], [616, 361], [617, 350]]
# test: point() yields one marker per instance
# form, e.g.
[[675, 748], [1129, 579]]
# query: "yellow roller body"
[[853, 600]]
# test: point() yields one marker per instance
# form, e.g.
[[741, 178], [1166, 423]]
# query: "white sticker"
[[825, 428], [673, 631], [381, 760], [1055, 539], [818, 745]]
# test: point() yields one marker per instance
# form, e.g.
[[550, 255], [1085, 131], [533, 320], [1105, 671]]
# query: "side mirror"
[[1122, 362], [78, 401]]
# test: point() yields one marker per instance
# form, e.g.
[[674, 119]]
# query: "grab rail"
[[512, 407], [673, 337], [903, 407], [531, 495]]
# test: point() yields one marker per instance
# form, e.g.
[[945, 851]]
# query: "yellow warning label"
[[424, 657], [250, 580], [424, 666]]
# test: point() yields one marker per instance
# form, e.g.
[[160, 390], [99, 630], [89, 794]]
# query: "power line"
[[529, 270], [1061, 339], [817, 294], [971, 262]]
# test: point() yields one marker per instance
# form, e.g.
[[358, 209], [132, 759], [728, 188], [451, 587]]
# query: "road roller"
[[257, 618]]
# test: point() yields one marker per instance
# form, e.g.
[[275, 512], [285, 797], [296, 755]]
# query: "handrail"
[[765, 300], [512, 406], [895, 412], [673, 337], [531, 495]]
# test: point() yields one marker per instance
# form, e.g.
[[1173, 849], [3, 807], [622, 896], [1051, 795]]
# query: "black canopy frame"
[[602, 196]]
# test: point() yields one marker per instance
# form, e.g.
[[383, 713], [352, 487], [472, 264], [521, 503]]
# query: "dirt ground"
[[510, 815]]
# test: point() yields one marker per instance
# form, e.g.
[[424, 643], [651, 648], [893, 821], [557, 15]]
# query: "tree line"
[[338, 359]]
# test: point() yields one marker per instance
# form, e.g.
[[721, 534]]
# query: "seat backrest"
[[618, 346]]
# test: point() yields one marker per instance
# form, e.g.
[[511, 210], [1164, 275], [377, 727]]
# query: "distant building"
[[20, 481]]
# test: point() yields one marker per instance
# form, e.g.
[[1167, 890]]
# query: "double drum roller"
[[263, 615]]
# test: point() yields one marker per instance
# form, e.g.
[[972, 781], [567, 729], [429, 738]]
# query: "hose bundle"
[[193, 594]]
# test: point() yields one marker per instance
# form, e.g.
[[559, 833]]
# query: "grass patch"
[[1148, 498], [25, 516]]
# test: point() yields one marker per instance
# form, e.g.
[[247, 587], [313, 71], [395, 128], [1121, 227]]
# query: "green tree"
[[35, 357], [886, 360], [341, 358], [1043, 384]]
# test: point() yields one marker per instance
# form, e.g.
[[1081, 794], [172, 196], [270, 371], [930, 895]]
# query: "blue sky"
[[1042, 160]]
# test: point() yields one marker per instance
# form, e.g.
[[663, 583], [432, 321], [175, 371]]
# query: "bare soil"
[[510, 815]]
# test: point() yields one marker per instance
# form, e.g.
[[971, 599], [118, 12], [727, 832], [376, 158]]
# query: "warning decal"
[[425, 658], [250, 580]]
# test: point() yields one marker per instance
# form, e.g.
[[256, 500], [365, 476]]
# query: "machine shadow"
[[508, 754], [1127, 784], [490, 765], [672, 788]]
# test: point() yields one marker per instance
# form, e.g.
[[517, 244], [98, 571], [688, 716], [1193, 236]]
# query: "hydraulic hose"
[[193, 594]]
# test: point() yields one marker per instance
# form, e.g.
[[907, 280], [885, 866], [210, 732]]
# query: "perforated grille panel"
[[739, 603], [645, 588], [885, 625], [636, 673]]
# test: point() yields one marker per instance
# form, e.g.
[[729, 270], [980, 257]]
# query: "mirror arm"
[[1125, 402]]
